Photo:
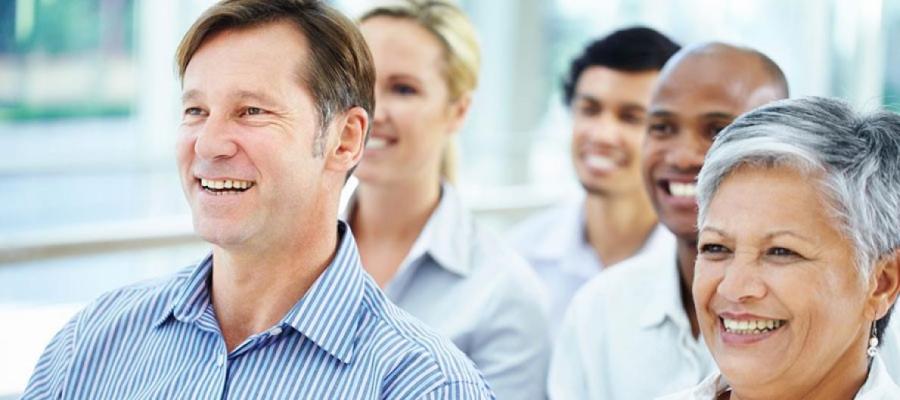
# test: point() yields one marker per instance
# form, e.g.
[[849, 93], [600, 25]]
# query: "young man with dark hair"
[[608, 91], [632, 333]]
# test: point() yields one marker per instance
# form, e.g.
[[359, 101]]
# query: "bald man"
[[631, 332]]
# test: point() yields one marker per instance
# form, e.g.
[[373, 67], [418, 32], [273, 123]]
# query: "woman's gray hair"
[[855, 158]]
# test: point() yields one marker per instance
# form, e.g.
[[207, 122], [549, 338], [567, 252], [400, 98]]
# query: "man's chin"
[[595, 189], [221, 236]]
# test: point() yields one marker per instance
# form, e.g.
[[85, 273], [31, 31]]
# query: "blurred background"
[[90, 199]]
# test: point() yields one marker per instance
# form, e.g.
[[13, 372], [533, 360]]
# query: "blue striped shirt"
[[342, 340]]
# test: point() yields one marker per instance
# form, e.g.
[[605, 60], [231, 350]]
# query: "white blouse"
[[472, 288], [878, 386]]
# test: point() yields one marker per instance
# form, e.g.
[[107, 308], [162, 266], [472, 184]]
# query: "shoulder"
[[147, 299], [417, 355], [541, 226], [620, 288], [496, 265]]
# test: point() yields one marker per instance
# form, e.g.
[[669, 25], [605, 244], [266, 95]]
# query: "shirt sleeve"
[[459, 391], [51, 372]]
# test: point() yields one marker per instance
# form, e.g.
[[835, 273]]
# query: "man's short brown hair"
[[341, 74]]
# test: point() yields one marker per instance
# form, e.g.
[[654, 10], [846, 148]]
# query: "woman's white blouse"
[[878, 386], [472, 288]]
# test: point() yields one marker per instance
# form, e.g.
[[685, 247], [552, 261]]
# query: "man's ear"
[[884, 284], [351, 130], [458, 111]]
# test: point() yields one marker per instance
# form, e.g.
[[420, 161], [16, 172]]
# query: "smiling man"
[[631, 333], [273, 123], [608, 92]]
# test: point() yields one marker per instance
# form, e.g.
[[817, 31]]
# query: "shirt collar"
[[564, 237], [710, 388], [192, 297], [879, 384], [666, 302], [446, 237], [328, 314], [448, 233]]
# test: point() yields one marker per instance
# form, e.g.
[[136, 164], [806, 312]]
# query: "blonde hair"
[[462, 54]]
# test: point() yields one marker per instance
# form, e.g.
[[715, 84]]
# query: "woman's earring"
[[873, 342]]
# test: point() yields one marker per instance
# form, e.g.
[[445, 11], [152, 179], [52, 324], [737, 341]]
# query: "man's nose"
[[214, 140], [687, 153]]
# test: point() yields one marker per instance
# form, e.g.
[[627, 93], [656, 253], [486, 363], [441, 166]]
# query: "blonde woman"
[[415, 237]]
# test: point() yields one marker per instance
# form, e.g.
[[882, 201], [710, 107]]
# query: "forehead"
[[260, 56], [603, 82], [713, 84], [771, 198], [400, 45]]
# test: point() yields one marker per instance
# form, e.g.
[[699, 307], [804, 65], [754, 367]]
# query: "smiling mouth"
[[227, 186], [683, 190], [377, 143], [751, 327]]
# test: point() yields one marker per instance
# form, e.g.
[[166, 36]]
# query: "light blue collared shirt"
[[475, 290], [342, 340]]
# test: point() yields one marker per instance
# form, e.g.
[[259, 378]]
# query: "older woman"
[[799, 261], [415, 236]]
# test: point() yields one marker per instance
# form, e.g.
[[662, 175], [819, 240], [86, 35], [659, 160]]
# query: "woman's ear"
[[351, 140], [884, 284], [458, 111]]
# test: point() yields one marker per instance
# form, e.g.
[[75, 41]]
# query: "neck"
[[387, 220], [617, 227], [842, 382], [398, 210], [253, 290], [686, 255]]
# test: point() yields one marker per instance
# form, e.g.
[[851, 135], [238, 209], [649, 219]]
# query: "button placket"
[[220, 360]]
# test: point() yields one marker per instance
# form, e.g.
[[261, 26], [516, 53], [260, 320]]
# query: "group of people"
[[731, 243]]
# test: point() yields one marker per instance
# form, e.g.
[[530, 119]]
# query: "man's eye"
[[253, 111], [632, 119], [588, 110], [661, 129], [714, 131], [193, 111]]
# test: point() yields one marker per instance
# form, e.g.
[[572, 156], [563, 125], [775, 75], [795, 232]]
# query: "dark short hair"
[[340, 74], [635, 49]]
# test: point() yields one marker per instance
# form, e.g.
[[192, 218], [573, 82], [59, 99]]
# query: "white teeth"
[[599, 162], [376, 143], [756, 327], [225, 184], [683, 189]]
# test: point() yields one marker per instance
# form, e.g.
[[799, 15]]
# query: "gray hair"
[[855, 158]]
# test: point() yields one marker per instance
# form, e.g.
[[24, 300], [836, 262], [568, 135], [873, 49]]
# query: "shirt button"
[[220, 360], [275, 331]]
